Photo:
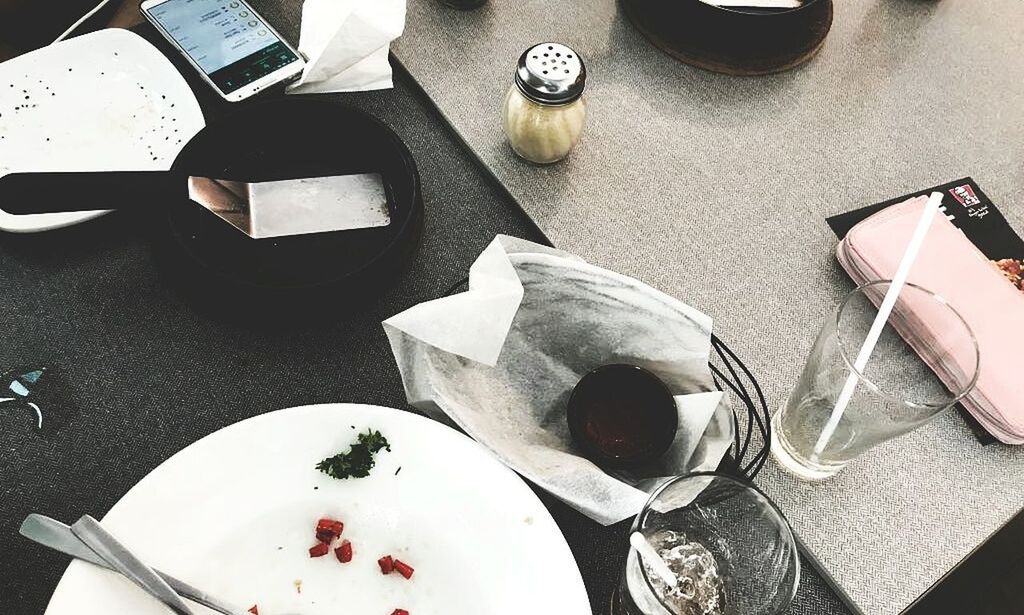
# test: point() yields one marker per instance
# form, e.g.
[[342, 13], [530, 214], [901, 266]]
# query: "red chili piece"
[[328, 529], [320, 549], [344, 552], [404, 569], [399, 612], [386, 564], [254, 610]]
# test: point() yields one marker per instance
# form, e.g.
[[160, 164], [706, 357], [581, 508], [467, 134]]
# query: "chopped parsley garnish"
[[358, 461]]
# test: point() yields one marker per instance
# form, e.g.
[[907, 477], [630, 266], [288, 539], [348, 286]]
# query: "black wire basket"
[[747, 454]]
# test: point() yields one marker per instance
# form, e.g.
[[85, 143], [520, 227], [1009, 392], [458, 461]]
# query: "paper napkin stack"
[[346, 43]]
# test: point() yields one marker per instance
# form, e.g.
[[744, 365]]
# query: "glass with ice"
[[728, 549]]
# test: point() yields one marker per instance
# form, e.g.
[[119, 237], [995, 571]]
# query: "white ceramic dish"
[[233, 514], [104, 101]]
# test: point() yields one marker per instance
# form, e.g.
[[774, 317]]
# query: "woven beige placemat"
[[715, 189]]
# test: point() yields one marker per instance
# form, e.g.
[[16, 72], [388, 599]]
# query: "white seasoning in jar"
[[542, 133], [544, 112]]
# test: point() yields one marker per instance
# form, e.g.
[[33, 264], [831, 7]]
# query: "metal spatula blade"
[[295, 206], [258, 209]]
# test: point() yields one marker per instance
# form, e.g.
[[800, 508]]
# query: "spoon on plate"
[[90, 532], [73, 541]]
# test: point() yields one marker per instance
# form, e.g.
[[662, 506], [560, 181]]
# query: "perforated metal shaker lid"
[[551, 74]]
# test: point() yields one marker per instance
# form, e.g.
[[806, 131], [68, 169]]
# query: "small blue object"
[[32, 376], [21, 383], [25, 383]]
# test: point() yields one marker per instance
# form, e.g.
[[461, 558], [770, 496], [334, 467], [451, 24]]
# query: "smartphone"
[[234, 49]]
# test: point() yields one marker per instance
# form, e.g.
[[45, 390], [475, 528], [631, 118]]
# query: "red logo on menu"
[[965, 194]]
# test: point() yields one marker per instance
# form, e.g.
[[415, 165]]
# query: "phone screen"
[[229, 42]]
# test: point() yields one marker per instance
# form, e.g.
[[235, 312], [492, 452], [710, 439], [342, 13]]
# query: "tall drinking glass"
[[903, 385], [729, 547]]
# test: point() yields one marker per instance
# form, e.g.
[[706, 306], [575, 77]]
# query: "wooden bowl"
[[735, 41]]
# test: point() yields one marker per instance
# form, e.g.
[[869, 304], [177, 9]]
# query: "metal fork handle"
[[122, 560]]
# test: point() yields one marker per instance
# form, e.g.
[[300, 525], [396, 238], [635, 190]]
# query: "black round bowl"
[[737, 41], [622, 416], [296, 276]]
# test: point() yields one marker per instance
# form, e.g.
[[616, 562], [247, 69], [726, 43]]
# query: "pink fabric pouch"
[[952, 267]]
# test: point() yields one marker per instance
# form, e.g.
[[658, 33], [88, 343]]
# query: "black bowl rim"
[[387, 251]]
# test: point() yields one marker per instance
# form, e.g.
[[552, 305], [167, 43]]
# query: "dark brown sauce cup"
[[622, 416]]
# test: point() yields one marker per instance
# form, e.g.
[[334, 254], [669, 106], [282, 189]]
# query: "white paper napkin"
[[346, 43], [501, 359]]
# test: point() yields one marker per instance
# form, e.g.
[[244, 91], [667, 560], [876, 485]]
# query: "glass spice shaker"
[[544, 110]]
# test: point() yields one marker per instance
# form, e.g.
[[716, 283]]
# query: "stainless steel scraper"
[[260, 209]]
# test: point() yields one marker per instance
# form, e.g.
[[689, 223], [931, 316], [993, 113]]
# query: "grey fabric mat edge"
[[557, 197]]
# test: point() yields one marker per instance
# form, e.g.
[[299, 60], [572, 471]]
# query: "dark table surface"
[[151, 374]]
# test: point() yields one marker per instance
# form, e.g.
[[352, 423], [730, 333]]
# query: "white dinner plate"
[[104, 101], [234, 513]]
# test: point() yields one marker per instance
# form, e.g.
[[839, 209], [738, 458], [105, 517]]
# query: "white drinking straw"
[[898, 280], [650, 555]]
